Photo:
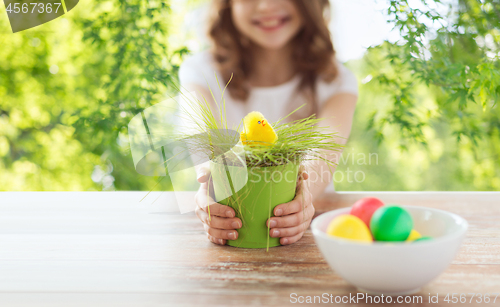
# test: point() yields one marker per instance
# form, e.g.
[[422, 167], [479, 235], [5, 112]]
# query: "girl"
[[281, 56]]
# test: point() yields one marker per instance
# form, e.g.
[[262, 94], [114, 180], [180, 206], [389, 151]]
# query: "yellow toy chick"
[[256, 128]]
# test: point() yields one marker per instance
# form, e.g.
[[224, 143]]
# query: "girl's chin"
[[273, 41], [271, 44]]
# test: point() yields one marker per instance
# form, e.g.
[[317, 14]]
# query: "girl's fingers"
[[207, 204], [296, 205], [290, 240], [289, 207], [292, 219], [303, 174], [218, 222], [290, 231], [202, 215], [203, 177], [222, 222], [202, 191], [203, 172], [220, 233], [219, 210], [218, 236], [216, 240]]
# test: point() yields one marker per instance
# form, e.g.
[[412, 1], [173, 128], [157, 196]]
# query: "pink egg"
[[365, 207]]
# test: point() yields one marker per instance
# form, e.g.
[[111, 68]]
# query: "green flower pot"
[[254, 203]]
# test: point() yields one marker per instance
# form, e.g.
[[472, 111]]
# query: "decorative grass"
[[298, 141]]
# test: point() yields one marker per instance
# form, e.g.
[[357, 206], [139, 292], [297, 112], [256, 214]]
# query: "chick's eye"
[[259, 122]]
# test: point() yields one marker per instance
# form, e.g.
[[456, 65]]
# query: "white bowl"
[[396, 268]]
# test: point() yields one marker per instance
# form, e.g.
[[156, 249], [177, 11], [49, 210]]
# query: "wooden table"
[[109, 249]]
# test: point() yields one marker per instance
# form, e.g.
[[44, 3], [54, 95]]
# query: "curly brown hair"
[[313, 54]]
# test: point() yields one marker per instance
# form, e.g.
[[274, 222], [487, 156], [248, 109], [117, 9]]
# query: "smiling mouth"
[[271, 24]]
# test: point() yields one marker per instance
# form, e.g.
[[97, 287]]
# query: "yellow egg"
[[413, 235], [349, 227]]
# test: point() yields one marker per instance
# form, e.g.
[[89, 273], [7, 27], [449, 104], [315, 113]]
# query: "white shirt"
[[272, 102]]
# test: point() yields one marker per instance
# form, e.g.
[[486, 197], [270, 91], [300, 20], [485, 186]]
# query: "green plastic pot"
[[254, 203]]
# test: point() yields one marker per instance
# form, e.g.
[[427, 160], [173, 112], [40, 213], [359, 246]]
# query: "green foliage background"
[[427, 115]]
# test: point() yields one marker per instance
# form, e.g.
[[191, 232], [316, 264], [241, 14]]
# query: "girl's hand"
[[293, 218], [221, 224]]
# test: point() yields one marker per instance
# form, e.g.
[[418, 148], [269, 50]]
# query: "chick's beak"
[[263, 123]]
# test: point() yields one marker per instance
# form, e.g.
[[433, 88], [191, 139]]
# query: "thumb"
[[203, 172], [303, 174]]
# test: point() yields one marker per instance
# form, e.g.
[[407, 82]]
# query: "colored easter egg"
[[414, 235], [423, 239], [391, 223], [365, 207], [349, 227]]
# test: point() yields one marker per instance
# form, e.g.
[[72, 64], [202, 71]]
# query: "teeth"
[[270, 23]]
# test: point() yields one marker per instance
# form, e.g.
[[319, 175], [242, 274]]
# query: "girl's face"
[[270, 24]]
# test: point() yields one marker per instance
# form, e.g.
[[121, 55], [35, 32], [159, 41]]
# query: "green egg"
[[423, 239], [391, 223]]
